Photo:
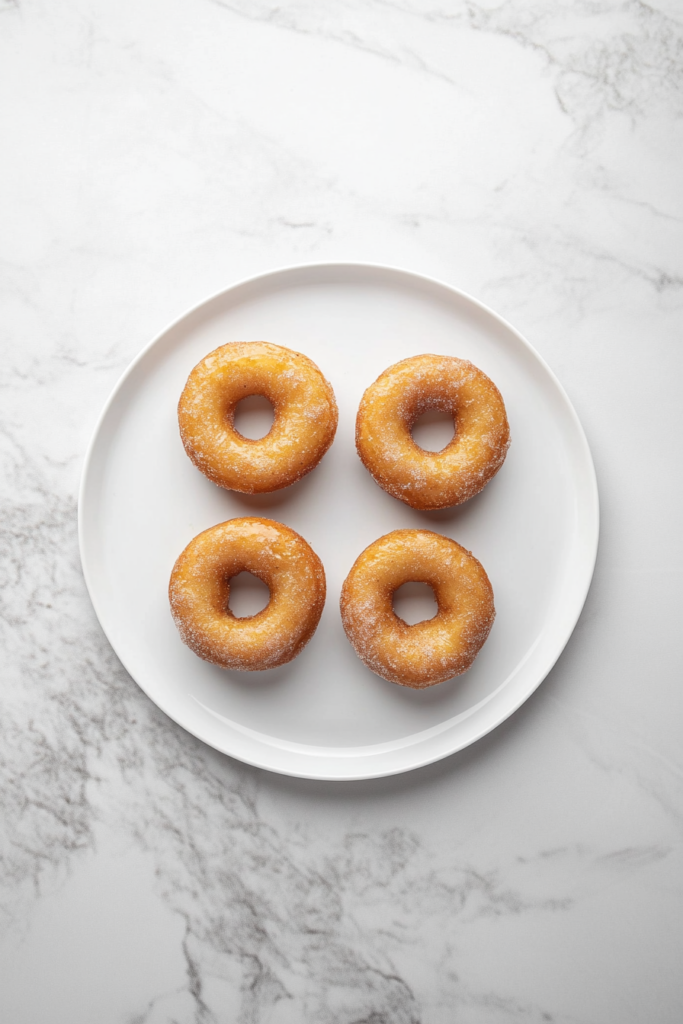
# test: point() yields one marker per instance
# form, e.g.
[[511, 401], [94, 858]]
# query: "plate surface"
[[325, 716]]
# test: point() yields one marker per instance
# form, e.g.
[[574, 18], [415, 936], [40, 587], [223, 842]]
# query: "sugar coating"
[[199, 591], [304, 425], [428, 652], [399, 396]]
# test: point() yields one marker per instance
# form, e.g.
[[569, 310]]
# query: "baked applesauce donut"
[[431, 651], [303, 428], [389, 409], [200, 588]]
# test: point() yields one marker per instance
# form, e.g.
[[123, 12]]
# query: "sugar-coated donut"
[[200, 588], [389, 409], [303, 427], [428, 652]]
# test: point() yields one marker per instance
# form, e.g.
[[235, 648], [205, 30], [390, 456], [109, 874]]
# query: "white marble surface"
[[528, 152]]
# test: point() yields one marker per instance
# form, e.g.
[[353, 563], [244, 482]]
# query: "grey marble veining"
[[528, 153]]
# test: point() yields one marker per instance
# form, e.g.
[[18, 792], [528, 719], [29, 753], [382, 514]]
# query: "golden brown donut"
[[390, 407], [303, 428], [200, 587], [428, 652]]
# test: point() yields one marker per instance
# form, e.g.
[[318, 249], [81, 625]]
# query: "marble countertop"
[[154, 151]]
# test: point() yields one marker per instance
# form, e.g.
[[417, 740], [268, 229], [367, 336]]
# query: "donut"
[[390, 407], [199, 590], [303, 428], [431, 651]]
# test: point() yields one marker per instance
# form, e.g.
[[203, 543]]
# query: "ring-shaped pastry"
[[199, 591], [428, 652], [399, 396], [304, 425]]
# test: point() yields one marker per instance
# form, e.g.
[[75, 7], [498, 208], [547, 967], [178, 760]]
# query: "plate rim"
[[591, 508]]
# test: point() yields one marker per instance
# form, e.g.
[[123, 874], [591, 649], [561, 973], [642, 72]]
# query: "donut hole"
[[254, 417], [248, 595], [415, 602], [433, 430]]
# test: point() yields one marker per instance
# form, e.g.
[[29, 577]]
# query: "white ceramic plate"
[[324, 715]]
